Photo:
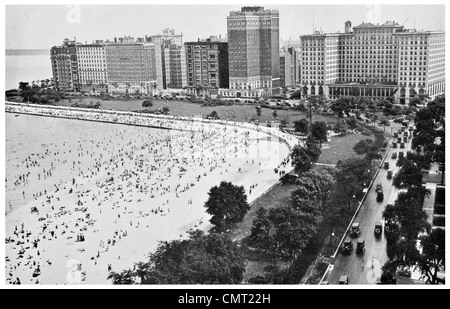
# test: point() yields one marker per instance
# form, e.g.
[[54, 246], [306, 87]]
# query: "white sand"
[[131, 219]]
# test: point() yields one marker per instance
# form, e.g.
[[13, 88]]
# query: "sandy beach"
[[98, 203]]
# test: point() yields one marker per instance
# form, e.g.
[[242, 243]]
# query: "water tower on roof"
[[348, 26]]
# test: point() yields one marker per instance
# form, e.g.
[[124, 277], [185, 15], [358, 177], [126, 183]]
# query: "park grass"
[[239, 112], [340, 147]]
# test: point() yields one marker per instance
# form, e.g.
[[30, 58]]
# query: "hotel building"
[[92, 69], [131, 67], [375, 61], [253, 47]]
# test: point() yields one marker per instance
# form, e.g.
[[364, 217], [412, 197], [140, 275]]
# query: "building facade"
[[131, 67], [92, 69], [162, 47], [207, 66], [253, 47], [375, 61], [64, 66], [173, 65]]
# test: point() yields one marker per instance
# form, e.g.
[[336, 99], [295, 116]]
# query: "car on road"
[[386, 165], [343, 279], [355, 231], [389, 174], [379, 191], [378, 230], [394, 155], [360, 246], [347, 246]]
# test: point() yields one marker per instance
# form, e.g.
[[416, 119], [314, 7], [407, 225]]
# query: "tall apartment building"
[[64, 66], [131, 67], [207, 66], [376, 61], [92, 69], [253, 47], [173, 65], [163, 43]]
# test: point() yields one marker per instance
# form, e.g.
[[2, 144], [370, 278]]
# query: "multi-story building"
[[173, 65], [164, 41], [64, 66], [287, 66], [207, 66], [92, 69], [375, 61], [131, 67], [253, 48]]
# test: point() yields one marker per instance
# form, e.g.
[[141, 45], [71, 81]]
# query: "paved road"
[[359, 268]]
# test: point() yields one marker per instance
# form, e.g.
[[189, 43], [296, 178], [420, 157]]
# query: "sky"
[[44, 26]]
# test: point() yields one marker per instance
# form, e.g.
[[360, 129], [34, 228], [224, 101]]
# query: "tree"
[[258, 111], [301, 126], [165, 110], [23, 85], [414, 102], [201, 259], [407, 214], [147, 103], [213, 115], [409, 175], [313, 186], [259, 236], [388, 271], [314, 148], [350, 178], [227, 204], [301, 159], [432, 259], [319, 131], [352, 123], [362, 146], [293, 229]]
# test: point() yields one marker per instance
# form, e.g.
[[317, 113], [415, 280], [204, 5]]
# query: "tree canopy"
[[227, 204], [201, 259]]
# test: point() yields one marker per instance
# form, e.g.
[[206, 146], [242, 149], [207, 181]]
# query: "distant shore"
[[27, 52]]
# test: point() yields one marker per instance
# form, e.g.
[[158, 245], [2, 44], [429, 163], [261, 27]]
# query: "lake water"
[[26, 68]]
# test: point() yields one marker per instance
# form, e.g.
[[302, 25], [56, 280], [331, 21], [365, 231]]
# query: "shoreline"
[[163, 222]]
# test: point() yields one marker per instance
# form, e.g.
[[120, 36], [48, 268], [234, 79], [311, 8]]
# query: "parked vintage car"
[[378, 230], [379, 191], [360, 246], [347, 246], [355, 231], [389, 174]]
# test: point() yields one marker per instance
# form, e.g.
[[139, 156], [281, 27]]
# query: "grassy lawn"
[[239, 112], [340, 147]]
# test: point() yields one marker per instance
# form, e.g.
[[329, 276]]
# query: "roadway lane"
[[359, 268]]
